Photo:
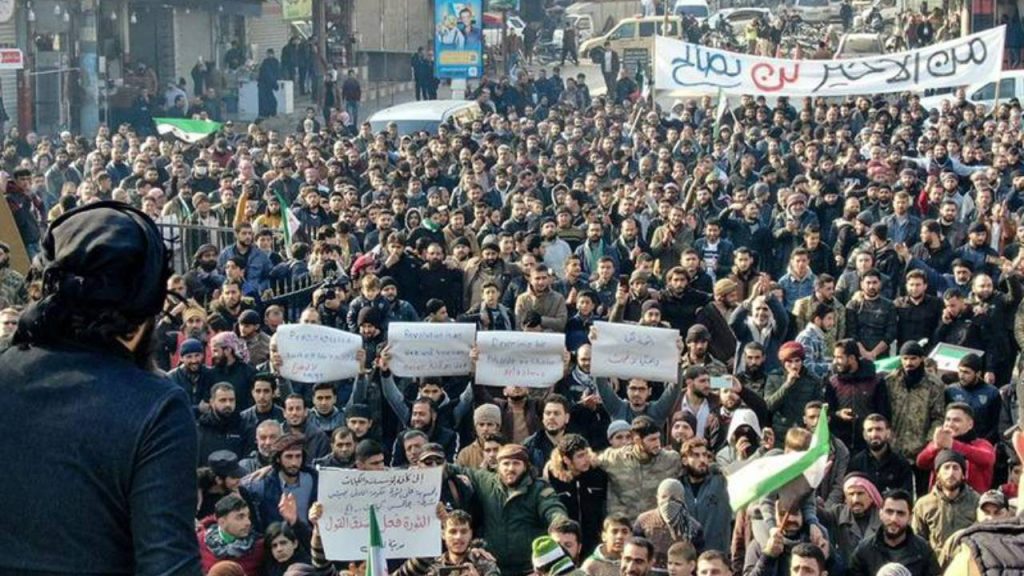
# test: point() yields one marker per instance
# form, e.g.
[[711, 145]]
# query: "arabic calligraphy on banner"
[[683, 66], [633, 351], [406, 506]]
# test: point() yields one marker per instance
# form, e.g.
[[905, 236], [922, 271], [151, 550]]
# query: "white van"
[[697, 8], [1010, 85]]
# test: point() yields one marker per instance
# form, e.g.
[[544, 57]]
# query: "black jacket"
[[442, 283], [585, 497], [916, 321], [681, 311], [223, 433], [197, 385], [446, 437], [240, 375], [914, 553], [102, 457], [891, 471]]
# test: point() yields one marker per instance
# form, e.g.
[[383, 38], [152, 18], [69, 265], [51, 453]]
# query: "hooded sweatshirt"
[[727, 458]]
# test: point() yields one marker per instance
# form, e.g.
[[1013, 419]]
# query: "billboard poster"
[[458, 38]]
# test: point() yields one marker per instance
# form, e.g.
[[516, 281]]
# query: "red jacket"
[[981, 459], [252, 562]]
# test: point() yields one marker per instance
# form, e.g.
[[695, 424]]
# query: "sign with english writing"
[[405, 502], [683, 66], [312, 353], [426, 349], [529, 359], [634, 351]]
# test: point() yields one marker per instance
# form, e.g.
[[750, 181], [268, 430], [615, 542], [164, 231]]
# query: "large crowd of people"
[[814, 253]]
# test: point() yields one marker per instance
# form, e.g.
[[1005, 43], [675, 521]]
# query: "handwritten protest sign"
[[425, 349], [632, 351], [311, 353], [405, 502], [526, 359], [695, 68]]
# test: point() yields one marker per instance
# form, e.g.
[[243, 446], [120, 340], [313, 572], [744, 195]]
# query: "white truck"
[[603, 14]]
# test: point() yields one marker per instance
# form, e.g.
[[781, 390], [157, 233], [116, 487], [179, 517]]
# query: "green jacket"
[[787, 402], [916, 412], [633, 479], [513, 516], [937, 518]]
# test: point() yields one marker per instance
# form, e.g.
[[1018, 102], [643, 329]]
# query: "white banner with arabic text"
[[683, 66]]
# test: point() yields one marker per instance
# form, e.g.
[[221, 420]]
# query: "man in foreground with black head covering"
[[107, 479]]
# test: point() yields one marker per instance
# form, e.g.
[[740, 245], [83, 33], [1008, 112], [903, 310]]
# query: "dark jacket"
[[914, 554], [442, 283], [888, 472], [316, 444], [104, 457], [870, 321], [197, 385], [786, 403], [864, 392], [680, 311], [446, 437], [217, 432], [266, 494], [586, 499], [513, 515], [240, 375], [845, 530], [709, 504], [916, 321]]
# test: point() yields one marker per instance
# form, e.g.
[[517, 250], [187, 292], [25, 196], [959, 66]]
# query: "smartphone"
[[623, 281], [721, 382]]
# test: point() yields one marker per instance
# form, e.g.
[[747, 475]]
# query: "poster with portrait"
[[458, 39]]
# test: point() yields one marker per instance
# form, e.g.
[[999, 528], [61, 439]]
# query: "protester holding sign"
[[674, 213]]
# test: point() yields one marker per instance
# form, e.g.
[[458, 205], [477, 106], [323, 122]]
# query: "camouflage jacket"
[[13, 290], [633, 478], [916, 411]]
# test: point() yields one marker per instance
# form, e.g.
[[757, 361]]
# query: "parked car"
[[427, 115], [859, 45], [816, 10], [696, 8]]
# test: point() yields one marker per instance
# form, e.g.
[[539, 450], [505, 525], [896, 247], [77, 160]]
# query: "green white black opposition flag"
[[190, 131], [376, 563], [793, 473]]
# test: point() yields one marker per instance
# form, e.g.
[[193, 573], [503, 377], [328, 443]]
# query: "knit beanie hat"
[[617, 426], [190, 346], [487, 413], [972, 361], [549, 557], [791, 350], [912, 349], [947, 455]]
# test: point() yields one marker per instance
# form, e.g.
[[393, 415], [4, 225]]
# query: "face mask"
[[201, 171]]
